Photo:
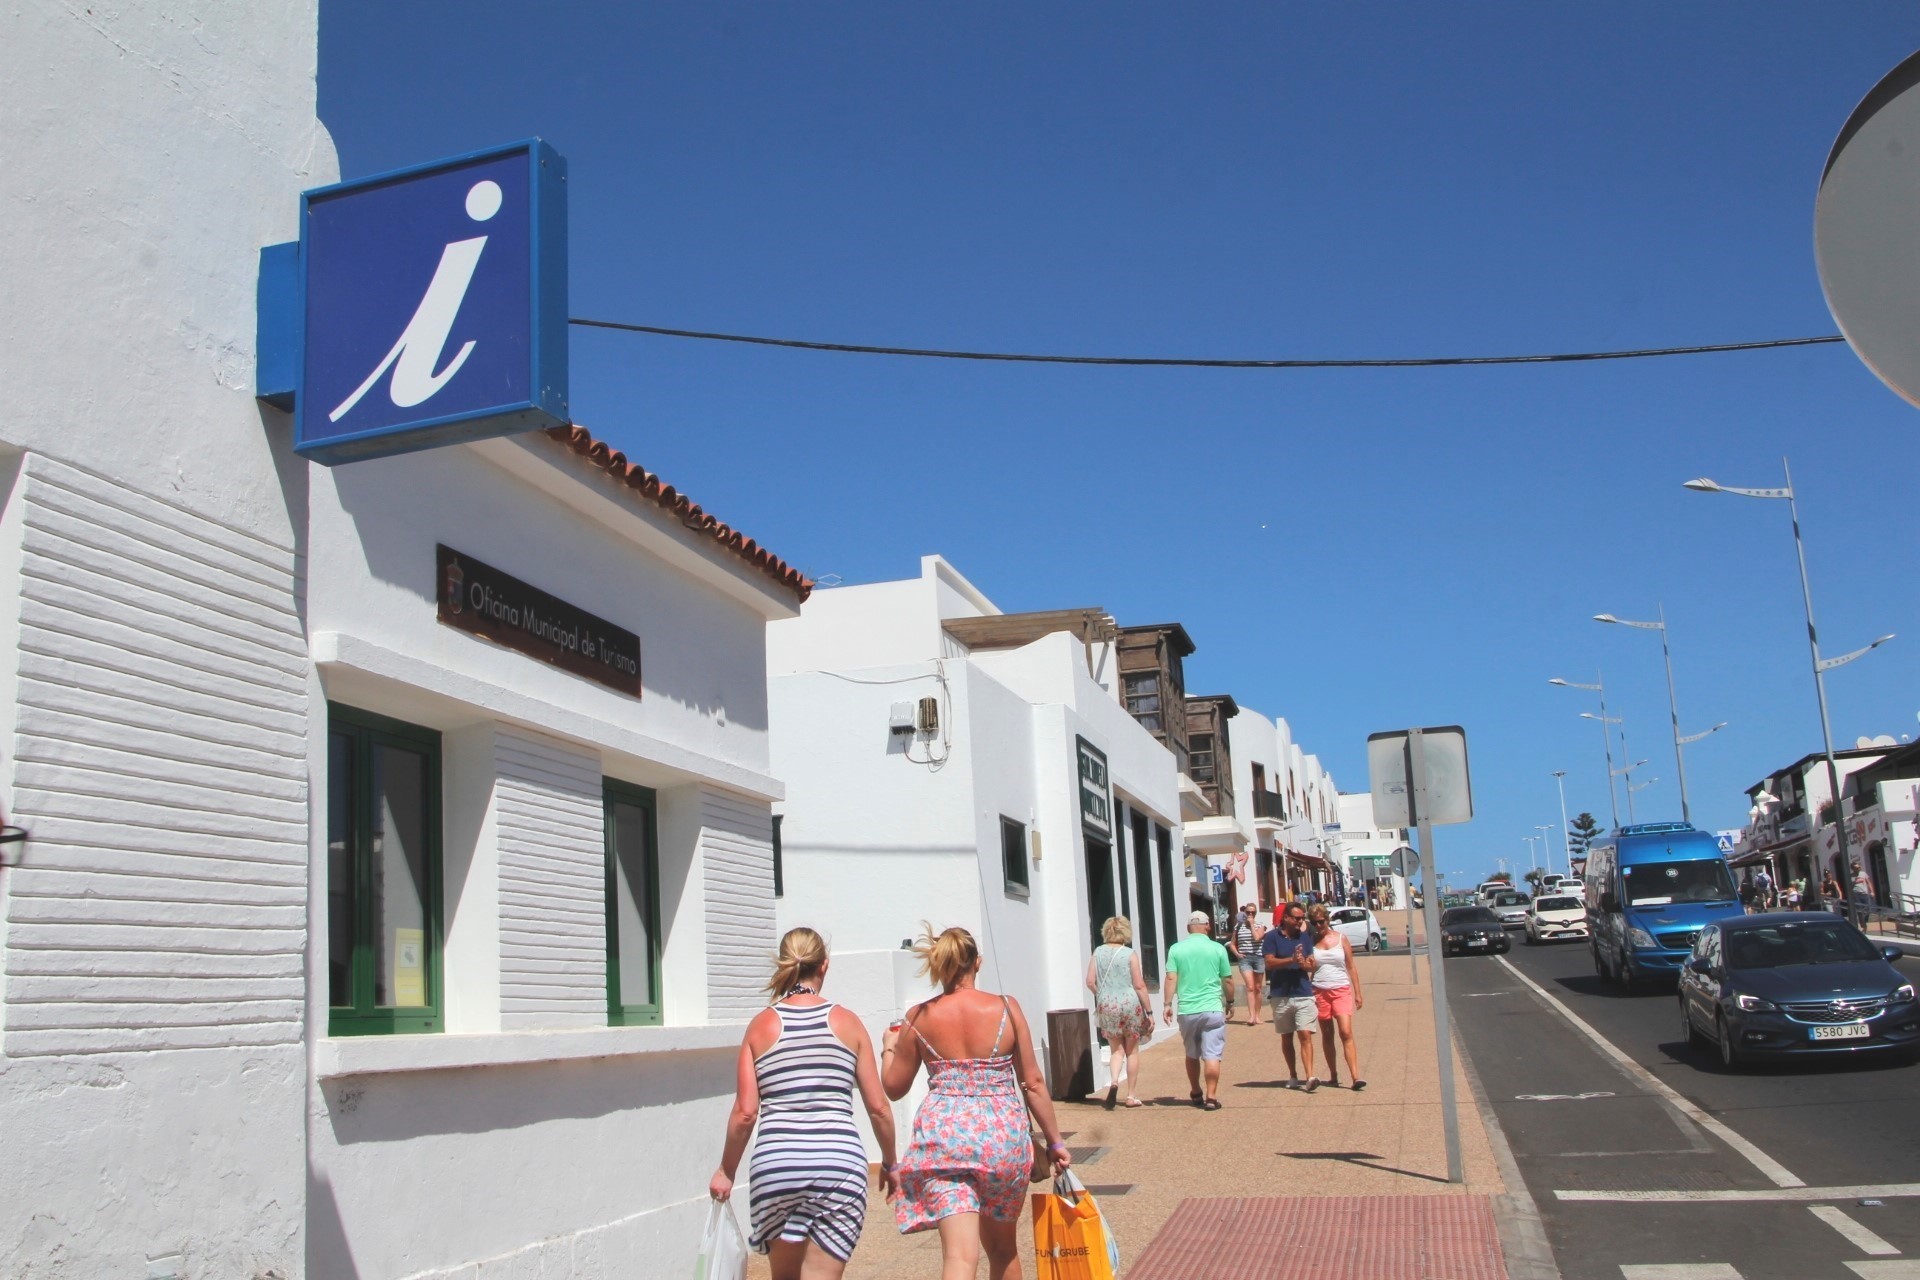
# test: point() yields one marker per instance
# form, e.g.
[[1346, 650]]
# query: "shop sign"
[[428, 306], [1096, 805], [482, 601]]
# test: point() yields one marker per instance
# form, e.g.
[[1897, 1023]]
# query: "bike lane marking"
[[1769, 1168]]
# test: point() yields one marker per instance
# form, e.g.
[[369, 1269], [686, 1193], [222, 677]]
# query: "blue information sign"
[[433, 305]]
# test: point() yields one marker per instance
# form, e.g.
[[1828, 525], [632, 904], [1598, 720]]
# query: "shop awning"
[[1307, 860]]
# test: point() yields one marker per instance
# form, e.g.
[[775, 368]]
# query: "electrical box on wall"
[[900, 719], [928, 718]]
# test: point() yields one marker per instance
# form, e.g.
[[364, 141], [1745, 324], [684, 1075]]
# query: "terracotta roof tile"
[[650, 486]]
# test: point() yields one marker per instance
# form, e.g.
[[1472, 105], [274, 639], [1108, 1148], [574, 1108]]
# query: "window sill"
[[377, 1055]]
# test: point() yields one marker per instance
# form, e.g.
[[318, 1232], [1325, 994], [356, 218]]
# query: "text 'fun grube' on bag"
[[1071, 1240]]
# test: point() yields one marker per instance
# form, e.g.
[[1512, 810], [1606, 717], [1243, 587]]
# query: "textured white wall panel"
[[159, 759], [553, 932], [736, 847]]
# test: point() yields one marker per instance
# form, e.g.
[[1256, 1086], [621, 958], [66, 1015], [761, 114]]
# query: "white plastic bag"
[[723, 1250]]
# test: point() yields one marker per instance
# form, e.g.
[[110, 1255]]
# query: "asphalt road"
[[1581, 1122]]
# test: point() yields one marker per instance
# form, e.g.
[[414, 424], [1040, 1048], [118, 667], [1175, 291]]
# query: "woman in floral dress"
[[965, 1170], [1120, 1005]]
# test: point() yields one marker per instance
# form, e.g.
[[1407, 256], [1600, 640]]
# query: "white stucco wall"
[[150, 1067], [532, 1134], [876, 839]]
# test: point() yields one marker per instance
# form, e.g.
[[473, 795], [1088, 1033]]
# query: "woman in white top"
[[1336, 994]]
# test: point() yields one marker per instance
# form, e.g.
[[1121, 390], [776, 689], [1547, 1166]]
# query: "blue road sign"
[[434, 305]]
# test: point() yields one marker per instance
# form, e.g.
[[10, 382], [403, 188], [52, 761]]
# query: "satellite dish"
[[1863, 741], [1885, 740]]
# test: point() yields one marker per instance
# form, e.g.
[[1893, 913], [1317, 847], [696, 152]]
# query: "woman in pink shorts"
[[965, 1171], [1336, 994]]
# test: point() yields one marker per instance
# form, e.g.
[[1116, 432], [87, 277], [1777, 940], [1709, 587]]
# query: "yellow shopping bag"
[[1071, 1241]]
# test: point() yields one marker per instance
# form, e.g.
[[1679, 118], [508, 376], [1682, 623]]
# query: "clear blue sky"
[[1353, 550]]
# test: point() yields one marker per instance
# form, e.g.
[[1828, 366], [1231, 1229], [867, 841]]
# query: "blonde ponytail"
[[803, 953], [947, 957]]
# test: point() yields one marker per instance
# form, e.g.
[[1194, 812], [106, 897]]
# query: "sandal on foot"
[[1211, 1104], [1133, 1102], [1113, 1091], [1313, 1082], [1358, 1085]]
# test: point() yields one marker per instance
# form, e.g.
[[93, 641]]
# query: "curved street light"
[[1820, 667], [1673, 702], [1606, 743]]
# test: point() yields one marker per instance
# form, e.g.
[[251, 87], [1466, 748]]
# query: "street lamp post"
[[1546, 849], [1606, 743], [1626, 771], [1820, 668], [1673, 703], [1566, 836]]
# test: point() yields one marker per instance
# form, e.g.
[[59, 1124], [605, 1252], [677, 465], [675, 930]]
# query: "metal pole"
[[1628, 770], [1566, 836], [1442, 1033], [1826, 729], [1673, 706], [1606, 743]]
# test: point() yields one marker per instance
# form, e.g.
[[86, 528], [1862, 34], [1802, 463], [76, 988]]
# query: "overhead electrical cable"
[[1187, 362]]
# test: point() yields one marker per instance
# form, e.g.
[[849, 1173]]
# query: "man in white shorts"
[[1289, 957]]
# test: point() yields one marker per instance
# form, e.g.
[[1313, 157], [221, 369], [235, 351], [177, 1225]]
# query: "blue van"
[[1651, 888]]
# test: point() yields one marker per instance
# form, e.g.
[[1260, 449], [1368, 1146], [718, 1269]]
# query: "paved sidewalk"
[[1334, 1184]]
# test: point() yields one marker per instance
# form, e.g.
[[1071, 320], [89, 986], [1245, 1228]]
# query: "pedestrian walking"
[[1862, 885], [1790, 896], [1748, 893], [1763, 889], [800, 1063], [1243, 945], [1336, 995], [1121, 1005], [1288, 954], [1200, 986], [1830, 888], [966, 1168]]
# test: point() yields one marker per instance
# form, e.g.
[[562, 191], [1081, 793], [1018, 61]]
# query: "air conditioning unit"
[[928, 718]]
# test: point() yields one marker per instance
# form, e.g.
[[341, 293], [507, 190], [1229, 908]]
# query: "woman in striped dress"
[[799, 1067]]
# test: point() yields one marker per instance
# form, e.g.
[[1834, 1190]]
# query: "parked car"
[[1511, 906], [1793, 984], [1472, 929], [1556, 919], [1488, 888], [1361, 927]]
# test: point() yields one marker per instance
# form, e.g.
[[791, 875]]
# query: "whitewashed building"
[[548, 906], [948, 762], [1364, 850], [349, 938]]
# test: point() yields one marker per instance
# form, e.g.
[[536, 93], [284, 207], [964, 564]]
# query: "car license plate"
[[1481, 942], [1844, 1031]]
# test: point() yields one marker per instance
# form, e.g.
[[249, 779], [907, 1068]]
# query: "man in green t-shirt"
[[1200, 986]]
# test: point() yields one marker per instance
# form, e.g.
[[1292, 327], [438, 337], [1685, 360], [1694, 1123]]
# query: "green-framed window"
[[1013, 857], [383, 875], [779, 862], [633, 906]]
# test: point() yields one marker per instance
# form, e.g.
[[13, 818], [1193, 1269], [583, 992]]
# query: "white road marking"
[[1800, 1194], [1771, 1169], [1903, 1269], [1680, 1271], [1558, 1097], [1863, 1240]]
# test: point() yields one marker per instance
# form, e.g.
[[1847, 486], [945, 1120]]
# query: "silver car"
[[1511, 906]]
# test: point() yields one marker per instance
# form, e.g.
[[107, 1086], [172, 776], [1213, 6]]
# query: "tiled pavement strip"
[[1333, 1184]]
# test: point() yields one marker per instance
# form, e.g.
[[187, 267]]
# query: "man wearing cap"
[[1199, 985]]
